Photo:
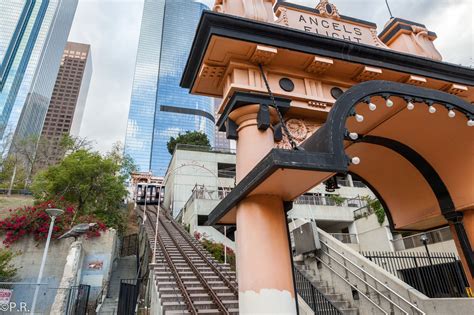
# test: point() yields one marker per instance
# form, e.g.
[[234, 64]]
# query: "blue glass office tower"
[[159, 108], [33, 34]]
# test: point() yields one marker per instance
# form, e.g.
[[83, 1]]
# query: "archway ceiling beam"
[[291, 173]]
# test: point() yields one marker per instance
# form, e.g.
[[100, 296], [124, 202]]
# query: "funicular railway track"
[[188, 279]]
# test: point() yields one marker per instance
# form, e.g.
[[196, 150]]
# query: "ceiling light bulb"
[[470, 122], [432, 109], [389, 102], [410, 106], [359, 118], [451, 113], [353, 136], [372, 106], [355, 160]]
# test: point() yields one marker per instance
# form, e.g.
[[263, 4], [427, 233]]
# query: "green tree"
[[7, 269], [96, 184], [190, 137]]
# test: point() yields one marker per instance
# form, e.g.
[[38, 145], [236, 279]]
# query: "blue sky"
[[112, 27]]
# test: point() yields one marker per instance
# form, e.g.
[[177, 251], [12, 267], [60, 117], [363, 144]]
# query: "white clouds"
[[112, 28]]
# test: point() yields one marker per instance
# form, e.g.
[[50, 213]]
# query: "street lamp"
[[53, 213], [424, 240]]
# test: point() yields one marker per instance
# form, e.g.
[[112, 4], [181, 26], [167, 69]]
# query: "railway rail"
[[189, 280]]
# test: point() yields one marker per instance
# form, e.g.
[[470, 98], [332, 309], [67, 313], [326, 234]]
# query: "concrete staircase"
[[328, 291], [193, 265], [124, 268]]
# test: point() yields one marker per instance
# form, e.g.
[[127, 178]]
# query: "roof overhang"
[[227, 30]]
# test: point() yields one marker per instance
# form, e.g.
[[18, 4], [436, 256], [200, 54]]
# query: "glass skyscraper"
[[33, 34], [159, 108]]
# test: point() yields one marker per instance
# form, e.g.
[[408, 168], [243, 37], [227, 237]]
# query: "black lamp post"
[[424, 240]]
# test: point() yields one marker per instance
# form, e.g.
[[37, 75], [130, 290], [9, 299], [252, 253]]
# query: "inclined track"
[[204, 286]]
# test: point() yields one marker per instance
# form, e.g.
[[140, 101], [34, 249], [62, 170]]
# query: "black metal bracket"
[[263, 117]]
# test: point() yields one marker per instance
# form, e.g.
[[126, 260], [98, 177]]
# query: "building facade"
[[32, 39], [68, 101], [159, 108]]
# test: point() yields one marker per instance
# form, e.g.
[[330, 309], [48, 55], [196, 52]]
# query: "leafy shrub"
[[216, 250], [7, 269]]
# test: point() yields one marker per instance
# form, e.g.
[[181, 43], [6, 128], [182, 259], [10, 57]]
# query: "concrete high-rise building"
[[68, 101], [32, 39], [159, 108]]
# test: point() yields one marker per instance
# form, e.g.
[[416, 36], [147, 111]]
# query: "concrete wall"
[[200, 169], [322, 213], [204, 207], [443, 247], [29, 260], [373, 236]]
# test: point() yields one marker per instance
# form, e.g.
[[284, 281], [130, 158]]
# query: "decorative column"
[[263, 254], [462, 230]]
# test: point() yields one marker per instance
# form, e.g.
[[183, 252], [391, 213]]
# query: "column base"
[[266, 301]]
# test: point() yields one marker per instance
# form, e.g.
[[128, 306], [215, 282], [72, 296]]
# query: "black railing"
[[437, 275], [129, 245], [78, 300], [128, 296], [312, 296]]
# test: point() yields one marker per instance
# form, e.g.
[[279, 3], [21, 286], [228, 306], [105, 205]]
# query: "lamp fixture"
[[410, 106], [451, 113], [355, 160], [353, 135], [432, 109], [372, 106], [359, 118], [388, 101]]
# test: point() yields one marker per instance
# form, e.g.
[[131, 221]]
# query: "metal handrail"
[[373, 278], [368, 284], [355, 287], [315, 294]]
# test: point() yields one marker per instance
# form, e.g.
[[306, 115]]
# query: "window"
[[225, 170]]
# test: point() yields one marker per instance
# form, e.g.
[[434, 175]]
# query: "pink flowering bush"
[[34, 221]]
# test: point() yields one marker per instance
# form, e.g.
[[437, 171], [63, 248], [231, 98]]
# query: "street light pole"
[[53, 213], [424, 240]]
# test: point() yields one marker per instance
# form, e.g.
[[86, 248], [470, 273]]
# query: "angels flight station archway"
[[308, 93]]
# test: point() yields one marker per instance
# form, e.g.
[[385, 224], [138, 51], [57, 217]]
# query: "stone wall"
[[99, 251]]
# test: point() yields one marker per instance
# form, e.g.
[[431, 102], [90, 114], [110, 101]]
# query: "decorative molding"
[[300, 130], [263, 55], [319, 65], [456, 89], [375, 37], [282, 17], [317, 104], [327, 9], [424, 42], [211, 72], [368, 73], [415, 80]]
